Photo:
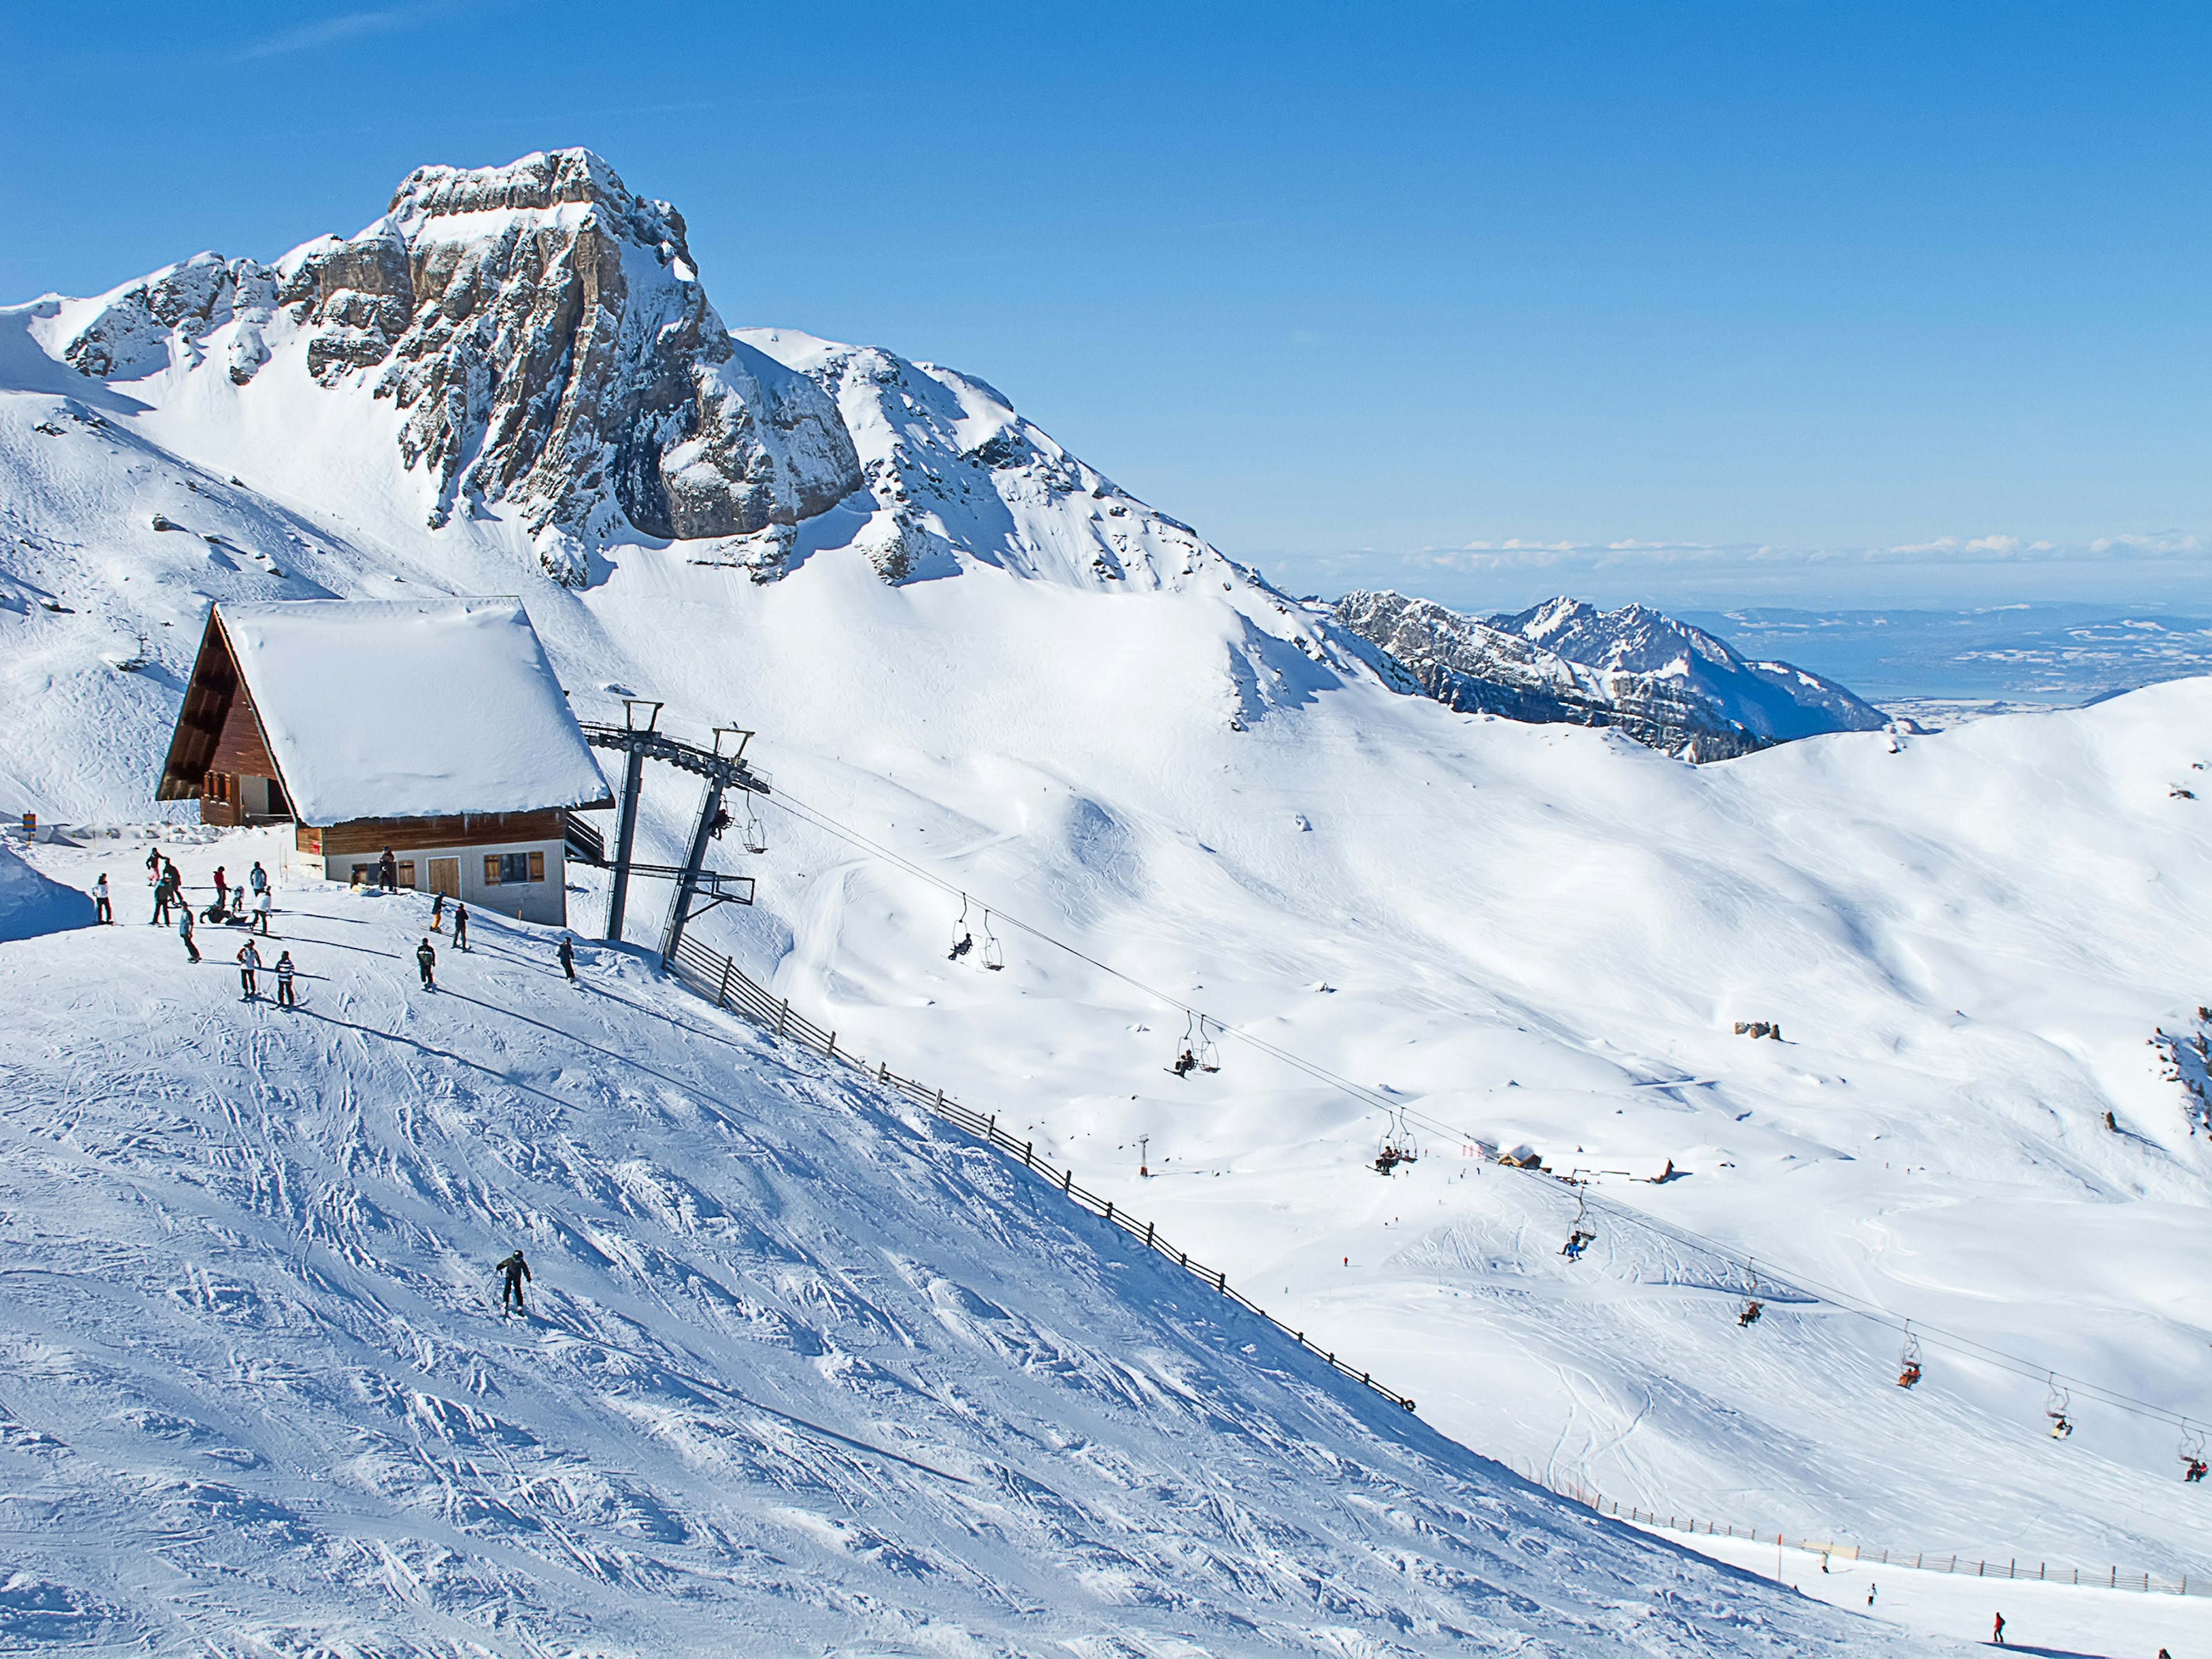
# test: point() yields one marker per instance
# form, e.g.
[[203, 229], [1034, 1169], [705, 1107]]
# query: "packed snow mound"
[[1774, 699], [410, 707], [544, 334], [31, 905], [803, 1370]]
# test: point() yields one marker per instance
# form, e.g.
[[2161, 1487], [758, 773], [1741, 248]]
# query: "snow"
[[1973, 941], [803, 1371], [32, 904], [410, 707]]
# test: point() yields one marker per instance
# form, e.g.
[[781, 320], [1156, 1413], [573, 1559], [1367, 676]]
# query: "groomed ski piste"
[[802, 1371], [1976, 946]]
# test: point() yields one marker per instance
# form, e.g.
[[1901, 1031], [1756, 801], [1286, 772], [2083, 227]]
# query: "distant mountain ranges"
[[1661, 682]]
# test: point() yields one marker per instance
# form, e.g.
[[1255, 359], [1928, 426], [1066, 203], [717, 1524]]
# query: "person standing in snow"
[[425, 959], [387, 873], [153, 864], [258, 879], [185, 933], [1998, 1634], [438, 912], [284, 982], [249, 959], [261, 911], [516, 1270], [161, 916], [568, 957], [222, 888], [461, 926], [100, 900]]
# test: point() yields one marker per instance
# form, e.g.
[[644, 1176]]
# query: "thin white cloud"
[[305, 37]]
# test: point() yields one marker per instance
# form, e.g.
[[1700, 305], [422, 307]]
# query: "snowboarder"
[[258, 877], [100, 900], [1185, 1063], [516, 1271], [248, 960], [568, 957], [284, 982], [221, 902], [185, 933], [426, 959], [438, 912], [461, 926], [261, 912], [1996, 1634], [387, 873]]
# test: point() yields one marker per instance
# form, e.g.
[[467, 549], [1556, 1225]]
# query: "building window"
[[502, 869]]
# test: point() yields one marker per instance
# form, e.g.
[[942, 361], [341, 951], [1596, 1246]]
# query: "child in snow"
[[100, 899], [425, 959], [248, 960], [185, 933], [284, 982]]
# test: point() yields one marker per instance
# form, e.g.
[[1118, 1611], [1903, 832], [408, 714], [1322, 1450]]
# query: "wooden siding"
[[372, 835]]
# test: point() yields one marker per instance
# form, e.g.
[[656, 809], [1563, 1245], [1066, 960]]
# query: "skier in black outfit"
[[284, 982], [387, 873], [568, 957], [517, 1270], [426, 959], [248, 960], [461, 926], [100, 899], [185, 933], [161, 916]]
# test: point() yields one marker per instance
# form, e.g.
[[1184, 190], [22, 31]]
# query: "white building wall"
[[546, 901]]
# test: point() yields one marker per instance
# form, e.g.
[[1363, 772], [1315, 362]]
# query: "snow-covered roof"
[[409, 709]]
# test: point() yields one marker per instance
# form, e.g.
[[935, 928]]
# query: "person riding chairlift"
[[1185, 1063]]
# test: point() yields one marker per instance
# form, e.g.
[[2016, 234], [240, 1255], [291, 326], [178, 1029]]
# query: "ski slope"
[[803, 1373]]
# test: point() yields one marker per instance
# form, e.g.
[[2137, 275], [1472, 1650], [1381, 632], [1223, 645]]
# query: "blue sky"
[[1699, 304]]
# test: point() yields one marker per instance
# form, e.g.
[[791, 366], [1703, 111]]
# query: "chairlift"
[[756, 832], [1748, 1315], [1198, 1053], [1908, 1362], [994, 954], [1580, 1237], [2056, 1404], [962, 940], [1398, 1146], [2191, 1452]]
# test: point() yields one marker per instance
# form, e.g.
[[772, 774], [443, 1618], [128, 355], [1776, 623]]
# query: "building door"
[[445, 877]]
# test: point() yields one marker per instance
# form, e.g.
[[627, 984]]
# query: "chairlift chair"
[[1748, 1315], [962, 940], [2191, 1451], [1579, 1237], [1209, 1057], [756, 832], [1397, 1146], [994, 954], [2056, 1404], [1908, 1362]]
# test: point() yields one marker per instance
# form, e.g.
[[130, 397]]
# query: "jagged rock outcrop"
[[1662, 682], [545, 332]]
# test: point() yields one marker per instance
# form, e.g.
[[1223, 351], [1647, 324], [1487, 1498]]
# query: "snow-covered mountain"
[[985, 676], [1662, 682]]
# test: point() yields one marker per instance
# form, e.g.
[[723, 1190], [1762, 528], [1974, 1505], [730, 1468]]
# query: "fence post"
[[1222, 1282], [1067, 1181], [1148, 1235], [782, 1014], [1109, 1209], [1028, 1148], [882, 1070], [832, 1050], [722, 996]]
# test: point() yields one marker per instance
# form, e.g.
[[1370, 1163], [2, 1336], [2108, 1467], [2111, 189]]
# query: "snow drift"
[[31, 905]]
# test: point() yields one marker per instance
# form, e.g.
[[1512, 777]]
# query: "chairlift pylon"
[[1908, 1361], [2056, 1403]]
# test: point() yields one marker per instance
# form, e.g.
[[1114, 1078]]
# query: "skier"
[[185, 933], [284, 982], [1871, 1588], [161, 916], [261, 911], [568, 957], [222, 902], [516, 1271], [426, 959], [387, 873], [461, 926], [437, 913], [1996, 1635], [1185, 1063], [100, 900], [248, 960], [258, 879]]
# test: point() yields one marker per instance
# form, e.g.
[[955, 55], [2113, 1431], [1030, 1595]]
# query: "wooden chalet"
[[433, 729]]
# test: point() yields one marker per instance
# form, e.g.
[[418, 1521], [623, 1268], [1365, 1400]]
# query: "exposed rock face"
[[1664, 684], [546, 333]]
